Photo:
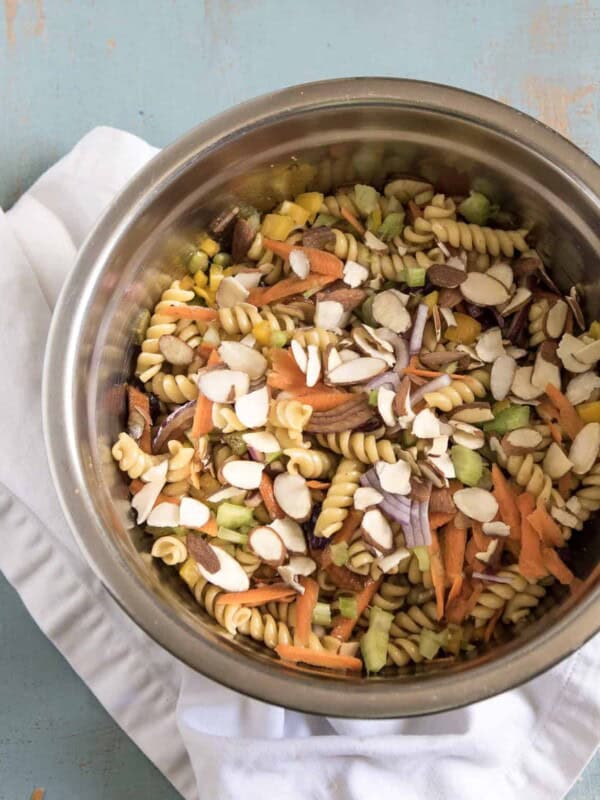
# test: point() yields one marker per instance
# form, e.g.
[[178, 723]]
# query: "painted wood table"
[[156, 68]]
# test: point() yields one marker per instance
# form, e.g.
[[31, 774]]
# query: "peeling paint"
[[10, 14], [552, 28], [556, 104], [40, 18]]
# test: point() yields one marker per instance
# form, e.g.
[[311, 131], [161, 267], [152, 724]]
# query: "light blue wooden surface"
[[156, 68]]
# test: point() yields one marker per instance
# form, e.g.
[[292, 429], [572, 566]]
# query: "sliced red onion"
[[391, 378], [416, 537], [416, 336], [424, 520], [174, 426], [399, 345], [397, 507], [484, 576], [432, 386], [255, 454]]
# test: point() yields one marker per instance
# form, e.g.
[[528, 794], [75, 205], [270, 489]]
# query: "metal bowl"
[[335, 132]]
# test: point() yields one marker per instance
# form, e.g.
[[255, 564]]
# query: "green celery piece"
[[429, 644], [348, 607], [468, 464], [366, 198], [339, 553], [234, 517], [476, 208], [232, 536], [278, 339], [324, 220], [509, 419], [391, 226], [322, 614], [415, 276], [270, 457], [374, 643], [235, 441], [422, 554], [373, 394]]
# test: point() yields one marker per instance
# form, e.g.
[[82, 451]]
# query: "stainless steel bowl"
[[335, 131]]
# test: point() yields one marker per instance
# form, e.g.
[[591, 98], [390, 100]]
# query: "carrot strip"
[[268, 497], [318, 658], [343, 627], [479, 537], [568, 417], [546, 527], [324, 400], [198, 313], [547, 411], [471, 551], [438, 519], [38, 794], [490, 627], [136, 485], [506, 502], [356, 224], [262, 296], [454, 542], [210, 528], [321, 262], [141, 403], [202, 423], [556, 566], [318, 484], [305, 605], [555, 432], [257, 597], [413, 369], [455, 589], [463, 602], [531, 565], [438, 574], [566, 485]]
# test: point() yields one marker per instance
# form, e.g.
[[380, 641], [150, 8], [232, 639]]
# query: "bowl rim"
[[260, 678]]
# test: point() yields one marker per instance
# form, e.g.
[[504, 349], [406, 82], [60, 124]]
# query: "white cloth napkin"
[[212, 743]]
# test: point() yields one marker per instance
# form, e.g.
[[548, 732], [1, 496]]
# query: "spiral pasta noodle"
[[339, 497], [231, 617], [170, 549], [174, 389], [456, 394], [482, 239], [292, 415], [361, 446], [316, 336], [225, 419], [309, 463], [131, 457], [179, 470], [537, 318]]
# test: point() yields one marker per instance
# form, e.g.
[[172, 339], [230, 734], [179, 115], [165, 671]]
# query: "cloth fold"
[[213, 743]]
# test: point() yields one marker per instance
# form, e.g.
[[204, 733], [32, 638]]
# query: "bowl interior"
[[260, 154]]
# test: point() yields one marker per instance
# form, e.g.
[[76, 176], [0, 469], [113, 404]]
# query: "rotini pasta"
[[131, 457], [290, 415], [482, 239], [361, 446], [308, 462], [174, 389], [339, 497], [457, 394]]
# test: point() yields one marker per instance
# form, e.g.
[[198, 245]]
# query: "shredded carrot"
[[474, 598], [206, 350], [479, 537], [343, 626], [268, 497], [438, 574], [566, 485], [257, 597], [438, 519], [454, 541], [531, 565], [556, 566], [210, 528], [356, 224], [136, 485], [262, 296], [141, 403], [323, 400], [490, 627], [463, 601], [318, 658], [506, 500], [547, 528], [568, 417], [414, 369], [547, 411], [321, 262], [318, 484], [555, 432], [285, 372], [471, 551], [455, 589], [198, 313], [305, 605]]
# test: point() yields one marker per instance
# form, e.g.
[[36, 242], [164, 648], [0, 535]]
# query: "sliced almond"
[[230, 293], [521, 441], [449, 298], [489, 346], [516, 352], [223, 385], [402, 400], [175, 350], [502, 376], [519, 299], [503, 273], [486, 556], [225, 494], [448, 316], [291, 534], [205, 555], [544, 372], [386, 339], [483, 290], [440, 360], [313, 367], [164, 515], [365, 497], [468, 435], [243, 474], [239, 357], [568, 348], [584, 448], [300, 356], [444, 464], [437, 322], [332, 359], [229, 575], [390, 311], [426, 425], [299, 263], [373, 243], [262, 441], [556, 319], [581, 388], [292, 495], [388, 563], [376, 531], [347, 355], [355, 274], [385, 404], [249, 278], [478, 504], [394, 478], [430, 472], [157, 472], [589, 354], [253, 408], [302, 565], [439, 446], [573, 303], [143, 501], [267, 545], [522, 385], [564, 517], [556, 464], [473, 413], [329, 314], [358, 370], [362, 340], [446, 277], [496, 528], [347, 297], [193, 513]]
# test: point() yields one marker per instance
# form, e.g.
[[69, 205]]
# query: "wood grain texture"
[[158, 67]]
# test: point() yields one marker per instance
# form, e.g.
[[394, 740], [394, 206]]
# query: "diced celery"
[[485, 482], [235, 441], [373, 394], [232, 536], [415, 276], [374, 220], [429, 644], [278, 339], [476, 208], [176, 531], [223, 259], [234, 517], [422, 554], [296, 212], [189, 572], [348, 607], [374, 642], [311, 201], [277, 226], [366, 198], [468, 464], [324, 220], [365, 312], [509, 419], [339, 553], [322, 614], [270, 457], [391, 226], [500, 406]]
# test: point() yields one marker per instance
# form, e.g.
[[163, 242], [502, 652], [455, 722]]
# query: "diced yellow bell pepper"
[[209, 297], [465, 331], [209, 246], [311, 201], [200, 280], [430, 300], [298, 214], [277, 226], [189, 572], [500, 406], [215, 278], [187, 282], [589, 412], [262, 333], [595, 329]]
